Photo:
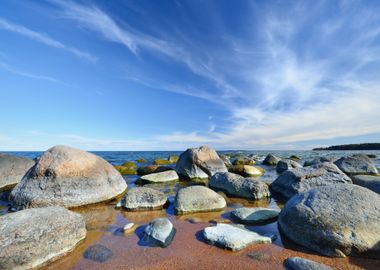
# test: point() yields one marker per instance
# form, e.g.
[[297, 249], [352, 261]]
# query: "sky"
[[169, 75]]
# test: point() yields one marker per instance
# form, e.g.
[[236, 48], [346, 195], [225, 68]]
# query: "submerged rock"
[[247, 170], [233, 238], [32, 237], [162, 162], [198, 199], [125, 170], [144, 198], [98, 253], [357, 164], [295, 158], [286, 164], [243, 161], [199, 162], [298, 180], [335, 220], [159, 232], [297, 263], [271, 160], [67, 177], [144, 170], [368, 181], [12, 169], [161, 177], [238, 186], [255, 215]]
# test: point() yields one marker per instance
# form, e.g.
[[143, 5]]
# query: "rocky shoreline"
[[329, 204]]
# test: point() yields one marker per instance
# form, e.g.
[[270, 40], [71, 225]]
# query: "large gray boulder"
[[238, 186], [368, 181], [298, 180], [286, 164], [335, 220], [198, 199], [271, 160], [232, 237], [32, 237], [144, 198], [297, 263], [199, 162], [67, 177], [159, 232], [357, 164], [12, 169]]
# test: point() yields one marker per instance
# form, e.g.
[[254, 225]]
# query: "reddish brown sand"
[[187, 250]]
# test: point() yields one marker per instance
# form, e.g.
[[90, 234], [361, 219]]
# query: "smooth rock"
[[335, 220], [357, 164], [233, 238], [316, 161], [67, 177], [255, 215], [98, 253], [295, 158], [32, 237], [247, 170], [226, 160], [129, 228], [243, 161], [144, 198], [271, 160], [198, 199], [144, 170], [159, 232], [292, 182], [238, 186], [199, 162], [286, 164], [368, 181], [161, 177], [12, 169], [297, 263]]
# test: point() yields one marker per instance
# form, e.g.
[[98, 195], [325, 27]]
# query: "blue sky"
[[168, 75]]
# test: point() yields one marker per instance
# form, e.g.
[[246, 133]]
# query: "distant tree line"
[[360, 146]]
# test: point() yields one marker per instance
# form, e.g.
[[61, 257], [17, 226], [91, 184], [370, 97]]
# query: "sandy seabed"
[[187, 251]]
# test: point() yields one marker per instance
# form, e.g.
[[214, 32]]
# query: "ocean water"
[[187, 251], [119, 157]]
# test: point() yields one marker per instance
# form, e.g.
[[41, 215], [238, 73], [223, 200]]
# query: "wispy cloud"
[[97, 20], [45, 39], [16, 71], [295, 73]]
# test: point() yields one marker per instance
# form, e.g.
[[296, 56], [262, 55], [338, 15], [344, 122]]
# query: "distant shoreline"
[[360, 146]]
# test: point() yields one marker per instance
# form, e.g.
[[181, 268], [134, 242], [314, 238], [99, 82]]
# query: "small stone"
[[259, 256], [233, 238], [255, 215], [129, 228], [98, 253], [144, 198], [159, 232], [297, 263]]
